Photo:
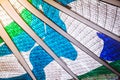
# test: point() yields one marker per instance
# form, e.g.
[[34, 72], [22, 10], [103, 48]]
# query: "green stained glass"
[[101, 70], [13, 29], [30, 1], [1, 40], [27, 16]]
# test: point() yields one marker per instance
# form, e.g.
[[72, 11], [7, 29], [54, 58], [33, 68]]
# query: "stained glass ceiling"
[[62, 45]]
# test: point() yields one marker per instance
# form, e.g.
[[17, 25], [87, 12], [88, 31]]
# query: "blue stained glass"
[[111, 49], [4, 50], [23, 42], [55, 41], [39, 59]]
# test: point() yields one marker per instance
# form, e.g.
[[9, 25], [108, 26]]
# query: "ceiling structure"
[[59, 42]]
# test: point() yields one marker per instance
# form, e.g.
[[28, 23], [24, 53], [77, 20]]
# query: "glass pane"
[[85, 67]]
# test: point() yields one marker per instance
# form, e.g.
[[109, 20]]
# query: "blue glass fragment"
[[111, 49]]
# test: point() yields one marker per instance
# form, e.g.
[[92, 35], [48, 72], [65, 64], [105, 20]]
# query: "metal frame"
[[62, 32]]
